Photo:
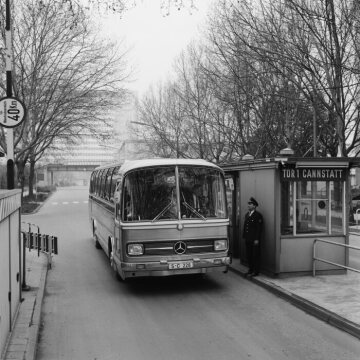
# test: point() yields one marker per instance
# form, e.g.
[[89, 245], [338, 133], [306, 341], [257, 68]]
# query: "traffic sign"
[[12, 112]]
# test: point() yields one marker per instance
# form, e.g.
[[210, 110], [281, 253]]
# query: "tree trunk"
[[31, 178], [20, 166], [338, 85]]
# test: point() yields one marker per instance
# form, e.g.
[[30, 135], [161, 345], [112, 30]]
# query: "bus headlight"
[[220, 245], [135, 249]]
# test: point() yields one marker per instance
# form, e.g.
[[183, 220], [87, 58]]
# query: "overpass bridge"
[[64, 174]]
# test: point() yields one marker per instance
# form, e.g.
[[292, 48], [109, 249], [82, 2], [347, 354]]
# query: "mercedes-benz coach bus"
[[160, 217]]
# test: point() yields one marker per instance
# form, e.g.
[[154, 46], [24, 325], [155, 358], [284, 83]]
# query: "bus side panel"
[[104, 219]]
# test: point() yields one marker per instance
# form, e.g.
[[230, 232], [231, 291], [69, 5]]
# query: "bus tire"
[[95, 237], [96, 241], [113, 264]]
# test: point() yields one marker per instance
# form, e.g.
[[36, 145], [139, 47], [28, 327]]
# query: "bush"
[[31, 204], [46, 189]]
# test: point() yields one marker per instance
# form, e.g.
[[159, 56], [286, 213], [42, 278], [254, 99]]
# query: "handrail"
[[330, 262]]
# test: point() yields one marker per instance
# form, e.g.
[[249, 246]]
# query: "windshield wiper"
[[162, 212], [189, 207]]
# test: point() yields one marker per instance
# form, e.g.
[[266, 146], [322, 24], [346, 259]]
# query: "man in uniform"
[[252, 232]]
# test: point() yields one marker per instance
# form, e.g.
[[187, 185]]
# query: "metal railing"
[[331, 262], [42, 243]]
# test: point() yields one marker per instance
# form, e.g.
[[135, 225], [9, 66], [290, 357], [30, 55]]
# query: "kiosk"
[[301, 199]]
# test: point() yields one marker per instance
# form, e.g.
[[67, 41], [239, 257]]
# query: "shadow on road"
[[172, 285]]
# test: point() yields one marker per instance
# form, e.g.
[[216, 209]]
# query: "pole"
[[8, 65], [26, 239]]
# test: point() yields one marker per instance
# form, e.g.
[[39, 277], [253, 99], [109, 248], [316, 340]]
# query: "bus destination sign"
[[12, 112], [313, 174]]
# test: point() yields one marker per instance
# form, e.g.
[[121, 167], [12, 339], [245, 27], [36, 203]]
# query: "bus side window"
[[117, 199], [98, 182], [112, 185], [108, 184], [107, 180], [92, 182], [102, 183]]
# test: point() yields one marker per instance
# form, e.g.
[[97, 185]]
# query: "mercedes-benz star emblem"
[[180, 247]]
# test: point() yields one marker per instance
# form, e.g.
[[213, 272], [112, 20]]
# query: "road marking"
[[67, 202]]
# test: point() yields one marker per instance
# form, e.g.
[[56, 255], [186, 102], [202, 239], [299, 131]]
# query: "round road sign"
[[12, 112]]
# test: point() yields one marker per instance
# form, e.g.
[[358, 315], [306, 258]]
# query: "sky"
[[155, 39]]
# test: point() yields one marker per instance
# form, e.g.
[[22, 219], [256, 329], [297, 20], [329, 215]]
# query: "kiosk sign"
[[313, 174], [12, 112]]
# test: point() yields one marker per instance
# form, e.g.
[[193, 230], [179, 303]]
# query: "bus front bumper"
[[175, 267]]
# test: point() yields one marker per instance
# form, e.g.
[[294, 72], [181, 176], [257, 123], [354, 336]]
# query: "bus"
[[160, 217]]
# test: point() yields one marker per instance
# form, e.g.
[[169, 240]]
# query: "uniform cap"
[[253, 201]]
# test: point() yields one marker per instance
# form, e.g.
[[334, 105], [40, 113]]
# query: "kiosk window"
[[318, 205]]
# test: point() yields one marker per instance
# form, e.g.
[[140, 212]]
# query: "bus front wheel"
[[113, 264]]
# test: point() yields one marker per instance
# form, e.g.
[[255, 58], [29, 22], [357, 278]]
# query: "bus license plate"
[[181, 265]]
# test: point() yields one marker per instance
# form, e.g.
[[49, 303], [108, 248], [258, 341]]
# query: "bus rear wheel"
[[96, 241]]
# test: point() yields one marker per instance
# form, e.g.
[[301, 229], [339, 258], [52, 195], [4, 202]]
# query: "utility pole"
[[9, 131], [12, 110]]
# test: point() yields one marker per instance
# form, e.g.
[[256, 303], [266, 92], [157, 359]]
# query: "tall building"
[[66, 164]]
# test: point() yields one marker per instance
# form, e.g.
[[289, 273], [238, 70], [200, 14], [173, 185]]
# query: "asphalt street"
[[86, 314]]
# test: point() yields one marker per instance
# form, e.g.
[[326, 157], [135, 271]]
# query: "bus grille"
[[167, 247]]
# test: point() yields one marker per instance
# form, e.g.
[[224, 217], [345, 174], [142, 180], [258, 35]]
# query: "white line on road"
[[67, 202]]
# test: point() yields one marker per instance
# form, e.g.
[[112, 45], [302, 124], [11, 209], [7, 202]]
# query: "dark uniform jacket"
[[253, 226]]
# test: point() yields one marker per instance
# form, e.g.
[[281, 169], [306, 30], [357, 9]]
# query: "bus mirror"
[[117, 197]]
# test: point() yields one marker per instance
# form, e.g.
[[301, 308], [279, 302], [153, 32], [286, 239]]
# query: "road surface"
[[88, 315]]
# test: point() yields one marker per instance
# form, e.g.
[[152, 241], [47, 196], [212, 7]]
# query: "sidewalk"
[[23, 339], [331, 298]]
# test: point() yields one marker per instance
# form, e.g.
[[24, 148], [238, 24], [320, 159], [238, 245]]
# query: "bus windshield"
[[163, 193]]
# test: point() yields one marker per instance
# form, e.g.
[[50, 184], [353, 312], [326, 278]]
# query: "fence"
[[36, 241], [330, 262]]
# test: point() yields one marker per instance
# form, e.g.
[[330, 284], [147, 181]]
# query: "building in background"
[[67, 165]]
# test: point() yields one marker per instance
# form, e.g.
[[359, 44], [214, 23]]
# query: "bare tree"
[[268, 110], [311, 45], [274, 74], [183, 118], [161, 119], [120, 6], [207, 119], [68, 78]]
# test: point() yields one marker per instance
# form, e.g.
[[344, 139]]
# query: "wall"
[[303, 248], [260, 184], [10, 279]]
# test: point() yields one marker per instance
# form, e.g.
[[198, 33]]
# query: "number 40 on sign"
[[12, 112]]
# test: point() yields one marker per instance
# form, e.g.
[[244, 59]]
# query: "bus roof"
[[129, 165]]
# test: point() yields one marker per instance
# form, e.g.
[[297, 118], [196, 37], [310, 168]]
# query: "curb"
[[306, 305]]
